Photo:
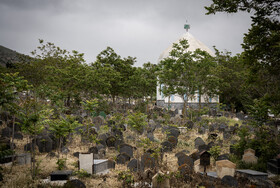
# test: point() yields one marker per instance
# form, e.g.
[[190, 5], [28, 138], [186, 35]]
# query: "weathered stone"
[[150, 136], [60, 175], [167, 146], [102, 138], [6, 132], [126, 148], [201, 130], [110, 141], [44, 143], [147, 161], [134, 165], [86, 162], [223, 157], [198, 142], [64, 150], [173, 140], [18, 136], [27, 147], [173, 132], [164, 183], [205, 158], [190, 125], [122, 158], [229, 181], [93, 150], [225, 167], [249, 156], [111, 164], [184, 159], [76, 154], [74, 184], [23, 159]]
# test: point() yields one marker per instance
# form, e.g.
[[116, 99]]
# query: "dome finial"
[[187, 26]]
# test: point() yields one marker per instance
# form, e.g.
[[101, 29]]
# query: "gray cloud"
[[142, 29]]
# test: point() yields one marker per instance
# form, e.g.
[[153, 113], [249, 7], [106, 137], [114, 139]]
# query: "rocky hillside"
[[8, 57]]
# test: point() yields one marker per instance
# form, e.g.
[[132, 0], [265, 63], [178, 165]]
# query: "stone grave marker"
[[75, 183], [205, 159], [100, 166], [251, 174], [225, 167], [198, 142], [223, 157], [173, 140], [122, 158], [6, 132], [111, 164], [273, 165], [23, 159], [184, 159], [249, 156], [126, 148], [190, 125], [44, 143], [229, 181], [18, 136], [110, 141], [93, 150], [134, 165], [86, 162], [61, 175], [167, 146], [102, 138], [147, 161], [172, 131]]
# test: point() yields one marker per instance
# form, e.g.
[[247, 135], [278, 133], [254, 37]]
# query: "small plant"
[[137, 121], [61, 163], [126, 177], [82, 173], [215, 152]]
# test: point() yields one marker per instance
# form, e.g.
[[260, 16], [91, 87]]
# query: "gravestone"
[[93, 150], [226, 135], [100, 166], [61, 175], [6, 132], [184, 159], [102, 138], [173, 140], [86, 162], [205, 158], [167, 146], [18, 136], [101, 154], [173, 132], [249, 156], [44, 143], [100, 146], [225, 167], [222, 127], [203, 148], [165, 183], [75, 183], [147, 161], [126, 148], [229, 181], [195, 155], [198, 142], [76, 154], [27, 147], [251, 174], [122, 158], [111, 164], [201, 130], [273, 165], [134, 166], [110, 141], [23, 159], [150, 136], [190, 125], [223, 157]]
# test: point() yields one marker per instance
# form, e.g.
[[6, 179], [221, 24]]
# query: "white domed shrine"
[[176, 101]]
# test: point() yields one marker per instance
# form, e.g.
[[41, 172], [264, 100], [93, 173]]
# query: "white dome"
[[193, 45]]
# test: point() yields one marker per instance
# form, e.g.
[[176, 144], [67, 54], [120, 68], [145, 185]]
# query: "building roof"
[[193, 45]]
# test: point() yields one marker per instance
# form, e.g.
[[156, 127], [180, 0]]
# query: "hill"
[[8, 57]]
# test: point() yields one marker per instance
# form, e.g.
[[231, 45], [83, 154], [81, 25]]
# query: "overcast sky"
[[137, 28]]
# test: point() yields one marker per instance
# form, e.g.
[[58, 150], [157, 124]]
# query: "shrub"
[[61, 164], [215, 152]]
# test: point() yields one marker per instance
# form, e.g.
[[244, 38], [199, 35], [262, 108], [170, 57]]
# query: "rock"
[[64, 150], [190, 125], [151, 137], [101, 153], [172, 131], [213, 136], [100, 146], [184, 159], [102, 138], [74, 184], [223, 157], [229, 181], [201, 130], [198, 142]]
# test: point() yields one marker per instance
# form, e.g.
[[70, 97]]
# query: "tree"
[[261, 46]]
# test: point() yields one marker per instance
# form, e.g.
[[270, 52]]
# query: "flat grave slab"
[[61, 175], [210, 174], [100, 166], [252, 174]]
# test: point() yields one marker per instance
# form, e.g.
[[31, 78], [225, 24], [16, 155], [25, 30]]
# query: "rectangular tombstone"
[[86, 162], [100, 166], [61, 175], [205, 158], [23, 159], [252, 174]]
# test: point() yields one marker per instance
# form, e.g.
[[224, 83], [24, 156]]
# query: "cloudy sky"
[[137, 28]]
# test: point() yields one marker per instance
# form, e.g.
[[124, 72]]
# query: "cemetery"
[[195, 118]]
